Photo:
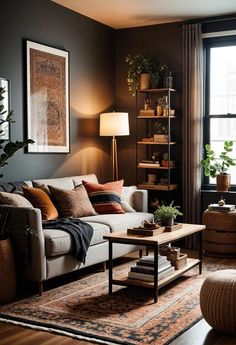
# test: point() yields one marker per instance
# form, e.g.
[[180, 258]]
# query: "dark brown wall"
[[163, 41], [92, 84]]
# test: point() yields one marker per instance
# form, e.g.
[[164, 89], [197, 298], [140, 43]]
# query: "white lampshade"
[[114, 124]]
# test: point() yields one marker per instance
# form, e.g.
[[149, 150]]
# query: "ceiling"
[[132, 13]]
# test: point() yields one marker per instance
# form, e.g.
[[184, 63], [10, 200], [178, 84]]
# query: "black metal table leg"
[[155, 295], [200, 251], [110, 267]]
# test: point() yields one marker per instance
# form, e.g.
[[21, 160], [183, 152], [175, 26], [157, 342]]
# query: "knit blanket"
[[80, 231]]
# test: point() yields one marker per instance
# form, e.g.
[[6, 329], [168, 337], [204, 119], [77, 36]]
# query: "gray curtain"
[[192, 121]]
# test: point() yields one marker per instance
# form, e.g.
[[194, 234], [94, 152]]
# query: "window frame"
[[208, 43]]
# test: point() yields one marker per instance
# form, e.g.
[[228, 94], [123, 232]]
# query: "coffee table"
[[154, 242]]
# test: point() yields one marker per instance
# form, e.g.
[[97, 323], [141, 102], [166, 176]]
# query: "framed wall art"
[[47, 98], [4, 109]]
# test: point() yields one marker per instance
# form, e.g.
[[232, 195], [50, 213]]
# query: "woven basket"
[[7, 272]]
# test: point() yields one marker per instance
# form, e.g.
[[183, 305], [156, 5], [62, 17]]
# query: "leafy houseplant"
[[218, 167], [166, 214], [139, 64]]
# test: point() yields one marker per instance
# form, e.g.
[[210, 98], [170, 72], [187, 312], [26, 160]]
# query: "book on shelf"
[[149, 260], [225, 208], [150, 269], [146, 112], [150, 277], [149, 165]]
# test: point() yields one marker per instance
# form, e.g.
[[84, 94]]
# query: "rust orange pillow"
[[40, 199], [105, 198]]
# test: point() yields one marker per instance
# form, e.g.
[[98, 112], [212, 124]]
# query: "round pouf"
[[217, 301]]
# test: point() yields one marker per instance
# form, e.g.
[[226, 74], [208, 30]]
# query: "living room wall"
[[92, 84]]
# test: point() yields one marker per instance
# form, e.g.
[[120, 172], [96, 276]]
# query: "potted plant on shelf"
[[161, 134], [166, 162], [7, 269], [166, 214], [218, 167], [141, 72]]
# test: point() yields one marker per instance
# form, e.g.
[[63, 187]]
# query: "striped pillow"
[[105, 198]]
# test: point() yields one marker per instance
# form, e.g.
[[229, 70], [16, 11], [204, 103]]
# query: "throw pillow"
[[105, 198], [72, 203], [41, 200], [14, 200]]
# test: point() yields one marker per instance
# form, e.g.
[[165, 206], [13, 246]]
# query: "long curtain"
[[192, 121]]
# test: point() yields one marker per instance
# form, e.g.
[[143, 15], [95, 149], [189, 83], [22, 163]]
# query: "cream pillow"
[[14, 200]]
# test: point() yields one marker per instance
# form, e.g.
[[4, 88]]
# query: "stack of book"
[[225, 208], [144, 269]]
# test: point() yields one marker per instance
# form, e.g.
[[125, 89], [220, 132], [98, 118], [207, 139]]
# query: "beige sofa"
[[48, 255]]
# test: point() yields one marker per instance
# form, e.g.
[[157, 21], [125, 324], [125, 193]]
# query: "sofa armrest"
[[29, 248], [140, 200]]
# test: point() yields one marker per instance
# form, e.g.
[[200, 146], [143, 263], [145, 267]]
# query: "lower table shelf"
[[124, 281]]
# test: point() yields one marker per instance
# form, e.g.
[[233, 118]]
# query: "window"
[[220, 97]]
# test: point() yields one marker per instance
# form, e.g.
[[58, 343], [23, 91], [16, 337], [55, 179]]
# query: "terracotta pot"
[[7, 272], [164, 163], [223, 182], [144, 81]]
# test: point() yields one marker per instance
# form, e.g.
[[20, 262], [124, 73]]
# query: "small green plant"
[[212, 165], [165, 156], [160, 128], [7, 150], [164, 214]]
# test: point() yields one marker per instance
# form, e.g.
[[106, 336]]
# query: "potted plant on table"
[[166, 214], [218, 167], [7, 268]]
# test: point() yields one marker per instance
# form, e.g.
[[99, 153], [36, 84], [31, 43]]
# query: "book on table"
[[149, 260], [150, 269], [150, 277], [225, 208]]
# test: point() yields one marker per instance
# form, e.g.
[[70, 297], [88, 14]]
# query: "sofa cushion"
[[119, 222], [14, 200], [58, 242], [77, 180], [105, 198], [72, 203], [60, 182], [41, 200]]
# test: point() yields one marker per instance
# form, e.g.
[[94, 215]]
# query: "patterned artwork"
[[47, 98]]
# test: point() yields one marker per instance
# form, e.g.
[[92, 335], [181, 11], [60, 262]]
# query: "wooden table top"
[[165, 237]]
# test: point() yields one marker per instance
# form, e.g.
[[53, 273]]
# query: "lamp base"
[[114, 161]]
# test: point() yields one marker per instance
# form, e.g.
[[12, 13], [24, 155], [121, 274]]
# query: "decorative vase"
[[7, 272], [223, 182], [144, 81], [168, 80]]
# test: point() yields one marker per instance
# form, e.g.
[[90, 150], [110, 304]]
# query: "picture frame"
[[47, 98], [5, 109]]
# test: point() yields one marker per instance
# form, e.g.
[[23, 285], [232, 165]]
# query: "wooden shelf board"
[[155, 117], [125, 281], [157, 90], [158, 187], [152, 166], [155, 143]]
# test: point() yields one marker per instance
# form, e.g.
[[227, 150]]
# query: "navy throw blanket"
[[80, 231]]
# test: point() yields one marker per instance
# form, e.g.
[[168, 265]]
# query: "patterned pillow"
[[14, 200], [105, 198], [41, 200], [72, 203]]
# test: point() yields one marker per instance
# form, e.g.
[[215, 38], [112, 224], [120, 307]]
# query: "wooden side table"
[[219, 237]]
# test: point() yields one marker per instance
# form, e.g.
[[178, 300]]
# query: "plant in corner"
[[7, 150], [166, 214], [218, 167]]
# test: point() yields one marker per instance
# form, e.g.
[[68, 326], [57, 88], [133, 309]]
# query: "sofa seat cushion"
[[119, 222], [59, 242]]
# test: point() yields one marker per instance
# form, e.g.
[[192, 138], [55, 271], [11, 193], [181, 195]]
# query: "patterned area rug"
[[84, 310]]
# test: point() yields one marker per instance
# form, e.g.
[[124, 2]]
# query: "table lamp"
[[114, 124]]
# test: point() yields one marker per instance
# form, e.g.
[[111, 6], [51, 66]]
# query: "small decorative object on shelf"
[[221, 202], [166, 162]]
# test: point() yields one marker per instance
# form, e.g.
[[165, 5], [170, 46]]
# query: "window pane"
[[220, 131], [223, 80]]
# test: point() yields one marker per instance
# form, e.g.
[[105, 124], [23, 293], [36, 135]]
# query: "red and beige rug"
[[84, 310]]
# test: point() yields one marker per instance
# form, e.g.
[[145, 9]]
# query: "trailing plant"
[[160, 128], [164, 213], [212, 165], [7, 150]]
